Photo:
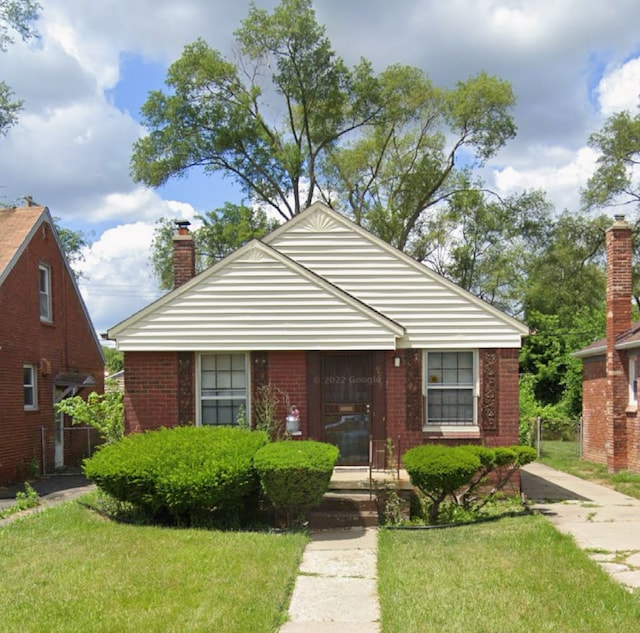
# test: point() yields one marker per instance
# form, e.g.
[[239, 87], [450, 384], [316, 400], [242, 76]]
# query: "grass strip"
[[516, 575], [67, 569], [565, 456]]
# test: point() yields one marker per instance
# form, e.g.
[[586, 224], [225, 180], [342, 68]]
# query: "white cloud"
[[561, 175], [142, 203], [118, 279], [619, 89]]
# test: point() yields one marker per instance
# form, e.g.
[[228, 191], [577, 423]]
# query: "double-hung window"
[[45, 292], [223, 388], [30, 387], [450, 388]]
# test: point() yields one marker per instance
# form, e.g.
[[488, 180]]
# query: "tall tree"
[[290, 122], [16, 16], [484, 243], [223, 231], [616, 180], [568, 273]]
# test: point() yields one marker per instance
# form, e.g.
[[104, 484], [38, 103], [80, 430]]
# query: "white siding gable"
[[435, 312], [257, 299]]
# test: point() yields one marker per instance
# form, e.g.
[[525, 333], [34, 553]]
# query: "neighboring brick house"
[[362, 339], [611, 426], [48, 348]]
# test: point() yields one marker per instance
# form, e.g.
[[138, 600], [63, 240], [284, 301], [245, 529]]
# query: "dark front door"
[[346, 403]]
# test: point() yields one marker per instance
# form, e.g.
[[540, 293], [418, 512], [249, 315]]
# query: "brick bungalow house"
[[48, 347], [365, 342], [611, 426]]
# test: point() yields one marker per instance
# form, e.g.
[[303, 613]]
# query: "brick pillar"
[[184, 255], [619, 289]]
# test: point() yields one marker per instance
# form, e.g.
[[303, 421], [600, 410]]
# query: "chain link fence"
[[559, 439]]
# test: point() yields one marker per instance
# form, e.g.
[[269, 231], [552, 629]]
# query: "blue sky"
[[84, 81]]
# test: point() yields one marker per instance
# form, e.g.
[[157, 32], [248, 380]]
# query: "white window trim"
[[198, 383], [33, 385], [48, 318], [633, 378], [461, 429]]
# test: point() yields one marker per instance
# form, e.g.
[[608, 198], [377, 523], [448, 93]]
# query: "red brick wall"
[[184, 258], [507, 399], [594, 421], [151, 390], [67, 344], [288, 374], [152, 385], [506, 406]]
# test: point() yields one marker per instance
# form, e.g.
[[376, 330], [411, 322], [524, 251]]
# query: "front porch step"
[[345, 509]]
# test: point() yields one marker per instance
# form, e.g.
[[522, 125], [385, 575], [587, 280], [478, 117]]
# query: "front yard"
[[514, 575], [67, 569]]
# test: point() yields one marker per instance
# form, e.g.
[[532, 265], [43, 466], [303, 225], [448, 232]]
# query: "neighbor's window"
[[633, 380], [45, 292], [450, 388], [223, 388], [29, 387]]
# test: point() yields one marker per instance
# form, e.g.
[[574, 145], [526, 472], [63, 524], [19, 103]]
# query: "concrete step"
[[345, 508], [325, 520]]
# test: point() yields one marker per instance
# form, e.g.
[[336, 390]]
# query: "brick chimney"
[[619, 290], [184, 254]]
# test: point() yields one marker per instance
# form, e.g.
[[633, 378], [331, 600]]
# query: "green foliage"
[[114, 359], [461, 474], [223, 231], [268, 406], [295, 475], [438, 471], [24, 501], [565, 277], [73, 244], [184, 475], [484, 244], [290, 123], [615, 180], [552, 375], [104, 412]]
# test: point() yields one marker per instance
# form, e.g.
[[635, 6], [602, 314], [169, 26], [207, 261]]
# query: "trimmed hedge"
[[459, 472], [294, 475], [185, 475]]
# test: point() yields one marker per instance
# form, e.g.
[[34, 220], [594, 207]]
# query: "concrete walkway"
[[335, 591], [51, 490], [602, 521]]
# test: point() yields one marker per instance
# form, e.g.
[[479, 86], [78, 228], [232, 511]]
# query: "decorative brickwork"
[[186, 394], [489, 390], [413, 364]]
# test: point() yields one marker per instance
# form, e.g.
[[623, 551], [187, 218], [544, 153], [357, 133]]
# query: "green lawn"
[[515, 575], [67, 569], [565, 456]]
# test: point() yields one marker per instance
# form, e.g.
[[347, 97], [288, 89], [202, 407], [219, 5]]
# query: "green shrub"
[[461, 473], [186, 475], [501, 462], [438, 471], [294, 475]]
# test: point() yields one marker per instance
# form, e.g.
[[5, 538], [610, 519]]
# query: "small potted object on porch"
[[293, 420]]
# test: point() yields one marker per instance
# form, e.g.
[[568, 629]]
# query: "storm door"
[[346, 397]]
